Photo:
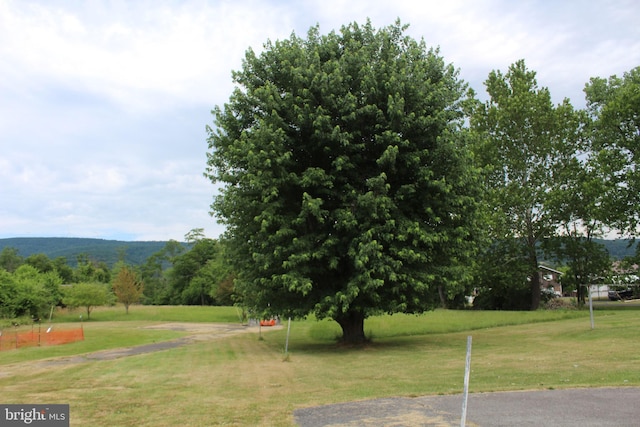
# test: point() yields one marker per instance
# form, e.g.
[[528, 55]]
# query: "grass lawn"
[[183, 313], [245, 381]]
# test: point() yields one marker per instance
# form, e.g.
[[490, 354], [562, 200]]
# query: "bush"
[[547, 295], [503, 298], [558, 304], [28, 292]]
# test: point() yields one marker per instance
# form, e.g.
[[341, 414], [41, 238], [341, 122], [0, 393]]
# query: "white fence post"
[[467, 369], [286, 344], [591, 308]]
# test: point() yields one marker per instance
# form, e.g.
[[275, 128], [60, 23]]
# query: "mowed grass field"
[[246, 380]]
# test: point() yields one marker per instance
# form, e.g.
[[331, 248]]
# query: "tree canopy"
[[88, 295], [347, 185], [614, 107], [28, 292], [526, 145]]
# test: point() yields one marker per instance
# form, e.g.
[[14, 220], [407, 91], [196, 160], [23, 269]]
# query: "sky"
[[104, 104]]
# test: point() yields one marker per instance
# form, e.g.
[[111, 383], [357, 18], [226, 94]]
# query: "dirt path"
[[196, 332]]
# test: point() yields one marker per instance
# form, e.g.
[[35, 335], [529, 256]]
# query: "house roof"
[[544, 267]]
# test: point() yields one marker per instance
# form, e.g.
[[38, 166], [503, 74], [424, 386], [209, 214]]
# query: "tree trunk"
[[535, 278], [443, 296], [580, 293], [535, 290], [352, 324]]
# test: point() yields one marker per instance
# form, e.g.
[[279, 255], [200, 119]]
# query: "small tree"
[[127, 287], [88, 295]]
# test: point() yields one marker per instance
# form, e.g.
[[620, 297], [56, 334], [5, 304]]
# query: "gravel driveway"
[[597, 407]]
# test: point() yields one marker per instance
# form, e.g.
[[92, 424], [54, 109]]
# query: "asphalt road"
[[597, 407]]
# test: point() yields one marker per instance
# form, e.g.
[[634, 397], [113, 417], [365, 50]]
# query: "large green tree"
[[614, 107], [347, 186], [197, 274], [154, 273], [580, 206], [526, 144]]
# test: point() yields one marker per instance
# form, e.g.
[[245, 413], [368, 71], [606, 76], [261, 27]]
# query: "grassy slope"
[[244, 381]]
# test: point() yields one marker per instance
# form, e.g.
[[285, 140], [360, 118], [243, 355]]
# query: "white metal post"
[[591, 308], [286, 344], [467, 369]]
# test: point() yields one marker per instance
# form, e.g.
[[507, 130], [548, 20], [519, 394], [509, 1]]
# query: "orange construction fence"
[[38, 336]]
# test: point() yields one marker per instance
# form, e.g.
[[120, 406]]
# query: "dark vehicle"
[[620, 294]]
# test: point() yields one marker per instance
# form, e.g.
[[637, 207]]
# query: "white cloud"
[[140, 55], [103, 104]]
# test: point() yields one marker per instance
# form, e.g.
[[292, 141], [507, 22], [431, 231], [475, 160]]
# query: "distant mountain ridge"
[[107, 251], [137, 253]]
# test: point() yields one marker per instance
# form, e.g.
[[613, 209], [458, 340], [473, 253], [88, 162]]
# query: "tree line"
[[194, 273]]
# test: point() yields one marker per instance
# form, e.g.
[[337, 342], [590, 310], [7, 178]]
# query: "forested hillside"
[[619, 249], [108, 251], [137, 253]]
